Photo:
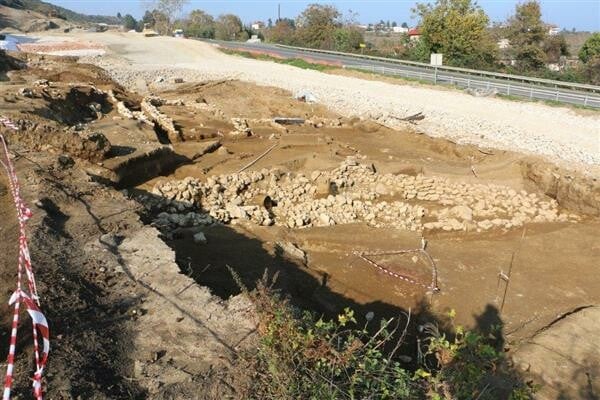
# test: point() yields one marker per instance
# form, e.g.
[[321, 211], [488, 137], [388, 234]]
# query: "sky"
[[579, 14]]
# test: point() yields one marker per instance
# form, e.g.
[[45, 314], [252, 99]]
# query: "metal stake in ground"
[[506, 277]]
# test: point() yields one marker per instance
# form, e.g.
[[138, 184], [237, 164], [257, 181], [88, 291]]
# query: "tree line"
[[460, 29]]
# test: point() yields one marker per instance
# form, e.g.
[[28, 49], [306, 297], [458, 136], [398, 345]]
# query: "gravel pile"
[[351, 193]]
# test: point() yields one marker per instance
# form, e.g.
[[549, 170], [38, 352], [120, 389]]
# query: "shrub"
[[301, 356], [591, 48], [469, 366]]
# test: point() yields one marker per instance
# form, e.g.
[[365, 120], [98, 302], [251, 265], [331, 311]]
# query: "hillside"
[[36, 15]]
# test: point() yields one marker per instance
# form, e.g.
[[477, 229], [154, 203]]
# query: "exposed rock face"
[[405, 202], [574, 191]]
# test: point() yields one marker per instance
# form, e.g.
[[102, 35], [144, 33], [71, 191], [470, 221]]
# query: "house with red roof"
[[414, 33]]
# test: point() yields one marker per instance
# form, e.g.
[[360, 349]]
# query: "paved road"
[[502, 86]]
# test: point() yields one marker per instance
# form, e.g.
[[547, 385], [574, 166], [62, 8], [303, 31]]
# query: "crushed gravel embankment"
[[558, 133]]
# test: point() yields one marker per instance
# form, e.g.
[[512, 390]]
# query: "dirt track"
[[172, 336]]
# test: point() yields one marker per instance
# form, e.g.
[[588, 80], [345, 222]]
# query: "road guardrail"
[[508, 88], [495, 75]]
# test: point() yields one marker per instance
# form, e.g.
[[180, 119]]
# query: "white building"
[[503, 44], [399, 29], [553, 30]]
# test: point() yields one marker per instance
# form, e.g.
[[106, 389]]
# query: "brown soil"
[[115, 333], [114, 316], [551, 270], [463, 258]]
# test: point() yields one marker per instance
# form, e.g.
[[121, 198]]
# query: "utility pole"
[[278, 12]]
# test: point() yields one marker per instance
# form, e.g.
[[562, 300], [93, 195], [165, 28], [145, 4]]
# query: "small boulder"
[[200, 238], [462, 212]]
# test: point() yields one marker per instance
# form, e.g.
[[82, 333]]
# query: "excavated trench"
[[326, 178], [572, 190], [315, 260], [316, 266]]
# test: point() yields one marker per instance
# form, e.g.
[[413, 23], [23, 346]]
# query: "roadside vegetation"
[[302, 355]]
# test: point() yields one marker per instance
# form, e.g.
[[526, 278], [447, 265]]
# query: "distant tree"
[[590, 48], [317, 25], [269, 23], [348, 38], [555, 46], [404, 25], [458, 29], [527, 32], [526, 26], [162, 24], [229, 27], [289, 21], [388, 24], [129, 22], [200, 24], [148, 18], [119, 15], [394, 24], [282, 33], [169, 8]]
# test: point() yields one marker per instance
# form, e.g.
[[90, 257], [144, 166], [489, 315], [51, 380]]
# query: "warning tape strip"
[[8, 123], [434, 285], [31, 299]]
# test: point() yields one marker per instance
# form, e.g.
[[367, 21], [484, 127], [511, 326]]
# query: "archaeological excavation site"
[[205, 235]]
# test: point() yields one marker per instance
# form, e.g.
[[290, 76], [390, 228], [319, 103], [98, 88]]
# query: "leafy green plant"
[[301, 356], [468, 366]]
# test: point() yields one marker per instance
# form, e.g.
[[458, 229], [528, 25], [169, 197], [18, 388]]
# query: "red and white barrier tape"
[[433, 286], [8, 123], [30, 299]]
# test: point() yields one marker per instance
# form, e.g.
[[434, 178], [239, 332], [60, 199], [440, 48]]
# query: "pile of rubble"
[[351, 193]]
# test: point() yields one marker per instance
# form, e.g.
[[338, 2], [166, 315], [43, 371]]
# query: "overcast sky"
[[580, 14]]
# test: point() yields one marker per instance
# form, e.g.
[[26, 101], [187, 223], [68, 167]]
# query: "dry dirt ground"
[[557, 133], [115, 255], [125, 323]]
